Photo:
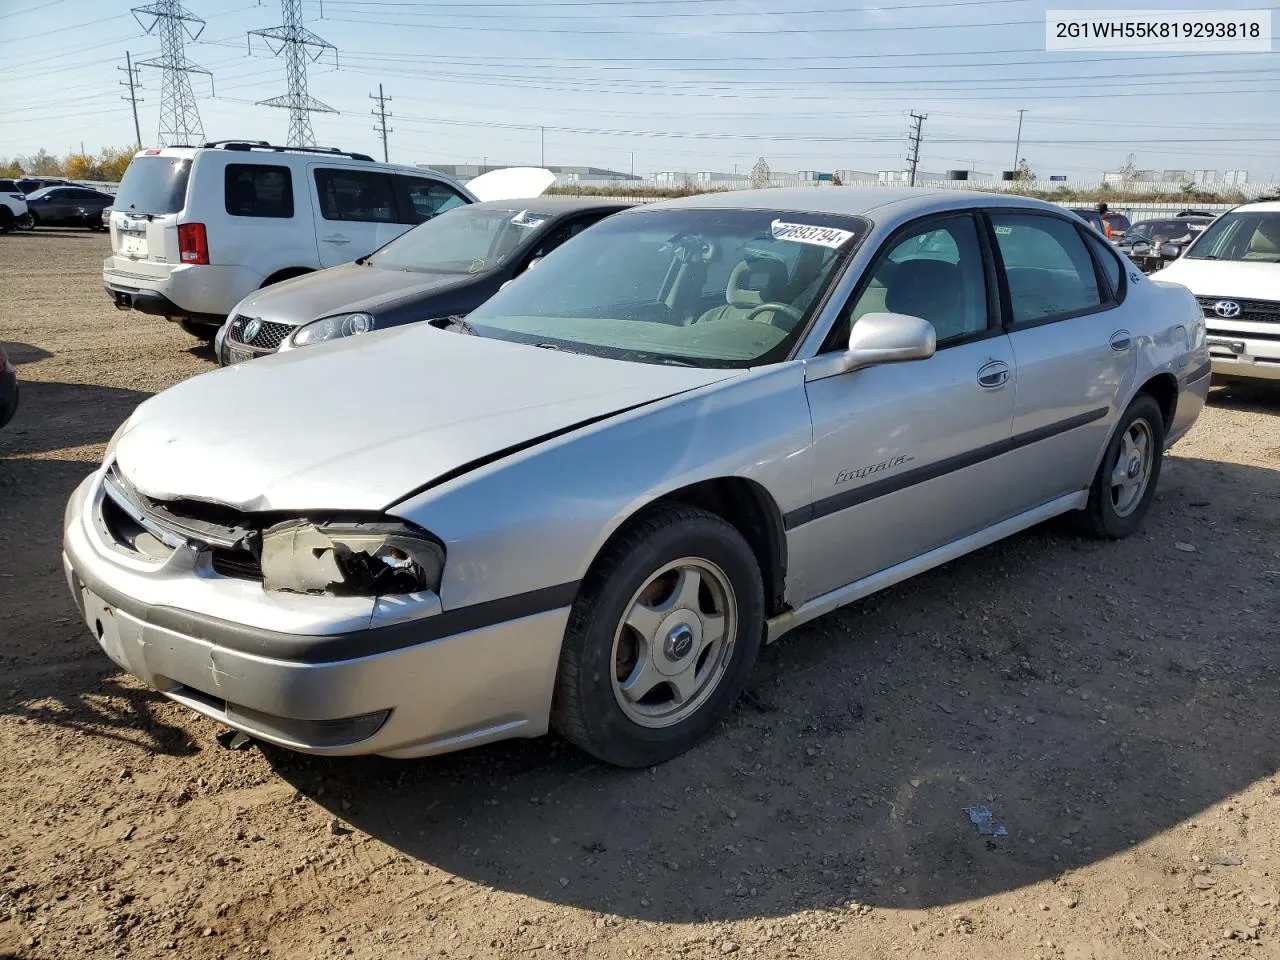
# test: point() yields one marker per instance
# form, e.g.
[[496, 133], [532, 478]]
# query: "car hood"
[[1248, 280], [359, 424], [343, 289]]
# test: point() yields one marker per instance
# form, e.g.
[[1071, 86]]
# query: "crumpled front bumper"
[[326, 675]]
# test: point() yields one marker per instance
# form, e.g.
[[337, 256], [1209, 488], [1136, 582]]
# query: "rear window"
[[8, 186], [154, 185], [258, 190]]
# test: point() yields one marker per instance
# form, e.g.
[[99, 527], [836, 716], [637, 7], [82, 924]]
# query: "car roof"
[[554, 206], [897, 202], [1260, 206], [255, 153]]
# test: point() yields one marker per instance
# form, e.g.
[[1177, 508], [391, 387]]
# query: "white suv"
[[1233, 268], [196, 229], [13, 205]]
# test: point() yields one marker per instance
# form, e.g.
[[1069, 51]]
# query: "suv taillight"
[[193, 243]]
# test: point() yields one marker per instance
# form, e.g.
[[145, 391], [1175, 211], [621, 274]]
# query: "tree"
[[761, 176], [836, 181], [42, 164], [11, 168], [1129, 172], [114, 161], [1024, 171], [81, 166]]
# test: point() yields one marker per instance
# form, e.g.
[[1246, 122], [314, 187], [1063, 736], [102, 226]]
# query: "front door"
[[1073, 352], [908, 456]]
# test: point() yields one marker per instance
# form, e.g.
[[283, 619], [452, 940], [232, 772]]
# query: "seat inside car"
[[755, 280], [930, 289]]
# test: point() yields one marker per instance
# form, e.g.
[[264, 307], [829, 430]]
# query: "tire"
[[1116, 510], [26, 222], [202, 331], [7, 219], [641, 571]]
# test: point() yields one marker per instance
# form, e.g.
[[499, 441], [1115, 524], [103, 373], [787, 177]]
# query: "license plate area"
[[238, 356], [1233, 346], [133, 245]]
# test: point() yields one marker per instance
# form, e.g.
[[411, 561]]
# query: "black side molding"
[[908, 478]]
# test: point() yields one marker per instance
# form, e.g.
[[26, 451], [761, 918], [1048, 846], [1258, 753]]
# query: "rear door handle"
[[335, 238], [1121, 340], [993, 374]]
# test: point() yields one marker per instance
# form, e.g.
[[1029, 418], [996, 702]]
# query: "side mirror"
[[889, 338], [1169, 251]]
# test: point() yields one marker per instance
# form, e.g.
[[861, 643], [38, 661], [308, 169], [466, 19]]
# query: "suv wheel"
[[661, 639]]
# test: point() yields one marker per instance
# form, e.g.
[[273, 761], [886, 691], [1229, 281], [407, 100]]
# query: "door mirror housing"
[[889, 338], [1169, 251]]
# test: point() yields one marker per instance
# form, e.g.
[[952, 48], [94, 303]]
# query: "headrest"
[[923, 288], [757, 280]]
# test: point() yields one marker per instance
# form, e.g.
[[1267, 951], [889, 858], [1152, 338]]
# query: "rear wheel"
[[1125, 483], [7, 219], [661, 639]]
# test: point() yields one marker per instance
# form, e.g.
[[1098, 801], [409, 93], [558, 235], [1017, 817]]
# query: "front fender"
[[539, 517]]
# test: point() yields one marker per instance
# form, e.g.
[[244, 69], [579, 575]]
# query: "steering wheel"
[[776, 308]]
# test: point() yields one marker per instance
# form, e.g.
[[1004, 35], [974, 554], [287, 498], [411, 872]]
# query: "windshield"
[[1240, 236], [154, 185], [462, 240], [1161, 231], [722, 288]]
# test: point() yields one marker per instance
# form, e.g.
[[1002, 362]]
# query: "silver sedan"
[[692, 428]]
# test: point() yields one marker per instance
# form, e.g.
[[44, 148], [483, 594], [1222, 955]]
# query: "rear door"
[[1073, 352], [356, 212]]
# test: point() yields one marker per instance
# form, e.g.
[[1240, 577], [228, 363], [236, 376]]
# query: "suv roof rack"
[[276, 148], [1196, 213]]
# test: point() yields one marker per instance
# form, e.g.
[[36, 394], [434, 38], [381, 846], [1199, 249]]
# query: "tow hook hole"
[[97, 625]]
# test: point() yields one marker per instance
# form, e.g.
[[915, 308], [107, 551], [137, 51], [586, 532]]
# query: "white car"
[[194, 230], [1233, 268], [13, 205]]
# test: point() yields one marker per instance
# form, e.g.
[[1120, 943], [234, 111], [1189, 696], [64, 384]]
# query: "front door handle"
[[1121, 340], [335, 238], [993, 374]]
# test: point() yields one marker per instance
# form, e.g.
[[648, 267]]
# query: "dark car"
[[68, 206], [440, 270], [1146, 243], [30, 185], [8, 387]]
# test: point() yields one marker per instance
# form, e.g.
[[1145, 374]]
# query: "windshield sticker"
[[523, 219], [809, 233]]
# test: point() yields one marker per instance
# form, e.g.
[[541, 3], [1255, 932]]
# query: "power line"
[[298, 45], [918, 120], [179, 116], [381, 126], [131, 81]]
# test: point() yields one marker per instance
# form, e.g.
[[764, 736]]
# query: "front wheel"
[[1125, 483], [27, 222], [661, 639]]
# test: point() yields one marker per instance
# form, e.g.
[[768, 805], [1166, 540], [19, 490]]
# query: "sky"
[[660, 85]]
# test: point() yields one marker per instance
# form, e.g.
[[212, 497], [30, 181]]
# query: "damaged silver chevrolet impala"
[[587, 504]]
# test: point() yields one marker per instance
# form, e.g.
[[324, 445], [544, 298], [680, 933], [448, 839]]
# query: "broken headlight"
[[349, 559]]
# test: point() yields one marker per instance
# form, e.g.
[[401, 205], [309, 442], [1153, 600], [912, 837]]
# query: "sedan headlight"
[[350, 559], [332, 328]]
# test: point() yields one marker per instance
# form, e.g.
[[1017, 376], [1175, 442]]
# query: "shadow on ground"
[[20, 353], [1251, 397], [59, 416], [847, 770]]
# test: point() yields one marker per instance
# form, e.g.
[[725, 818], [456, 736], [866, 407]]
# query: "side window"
[[934, 271], [1111, 268], [566, 231], [1049, 271], [355, 195], [8, 186], [427, 198], [258, 190]]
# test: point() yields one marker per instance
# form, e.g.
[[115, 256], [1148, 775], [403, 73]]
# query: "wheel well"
[[751, 509], [1163, 388], [288, 273]]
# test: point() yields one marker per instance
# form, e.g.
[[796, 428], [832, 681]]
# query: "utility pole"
[[543, 131], [918, 120], [1017, 145], [381, 126], [132, 83]]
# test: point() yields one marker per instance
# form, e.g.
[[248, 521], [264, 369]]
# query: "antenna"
[[179, 118], [298, 45]]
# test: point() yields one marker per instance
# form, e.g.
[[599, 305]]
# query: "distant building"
[[564, 175]]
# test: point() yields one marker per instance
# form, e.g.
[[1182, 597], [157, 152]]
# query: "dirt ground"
[[1113, 704]]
